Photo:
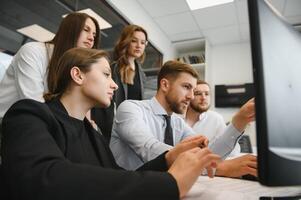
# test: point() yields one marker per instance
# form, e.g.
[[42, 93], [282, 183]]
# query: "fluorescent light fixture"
[[103, 24], [37, 33], [198, 4]]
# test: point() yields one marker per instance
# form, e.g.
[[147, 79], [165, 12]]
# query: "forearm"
[[239, 123], [224, 144]]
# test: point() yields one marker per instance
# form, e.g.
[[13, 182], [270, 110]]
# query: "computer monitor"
[[276, 56]]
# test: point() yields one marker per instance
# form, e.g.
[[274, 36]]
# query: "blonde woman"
[[129, 54]]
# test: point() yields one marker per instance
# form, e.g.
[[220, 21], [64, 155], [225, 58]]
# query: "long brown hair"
[[82, 58], [66, 38], [121, 52]]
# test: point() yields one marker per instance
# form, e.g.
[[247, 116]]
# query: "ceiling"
[[227, 23], [16, 14]]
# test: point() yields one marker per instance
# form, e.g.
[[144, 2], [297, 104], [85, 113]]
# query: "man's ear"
[[77, 75], [164, 84]]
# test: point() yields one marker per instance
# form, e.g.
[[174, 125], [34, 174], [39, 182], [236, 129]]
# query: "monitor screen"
[[276, 57]]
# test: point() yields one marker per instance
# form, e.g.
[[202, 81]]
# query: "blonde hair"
[[121, 53]]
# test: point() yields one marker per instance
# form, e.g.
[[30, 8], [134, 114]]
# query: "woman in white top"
[[26, 77]]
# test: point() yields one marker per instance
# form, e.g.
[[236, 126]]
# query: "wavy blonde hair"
[[121, 53]]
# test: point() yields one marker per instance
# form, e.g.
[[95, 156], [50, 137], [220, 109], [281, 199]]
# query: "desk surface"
[[231, 189]]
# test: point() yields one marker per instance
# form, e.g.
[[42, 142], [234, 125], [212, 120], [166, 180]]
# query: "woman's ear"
[[77, 75]]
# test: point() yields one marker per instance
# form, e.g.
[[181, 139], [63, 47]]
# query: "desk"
[[220, 188]]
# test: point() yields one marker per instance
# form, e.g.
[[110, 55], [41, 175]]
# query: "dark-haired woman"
[[51, 151], [27, 75]]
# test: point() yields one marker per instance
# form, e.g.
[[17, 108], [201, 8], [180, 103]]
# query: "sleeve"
[[157, 164], [35, 168], [225, 143], [30, 68], [131, 127]]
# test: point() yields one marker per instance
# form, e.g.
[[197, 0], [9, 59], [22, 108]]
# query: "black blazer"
[[104, 117], [122, 93], [42, 160]]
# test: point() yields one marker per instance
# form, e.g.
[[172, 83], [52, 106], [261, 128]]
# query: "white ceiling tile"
[[178, 23], [242, 11], [223, 35], [158, 8], [185, 36], [216, 16], [292, 8], [278, 4]]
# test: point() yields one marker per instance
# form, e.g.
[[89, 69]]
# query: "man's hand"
[[245, 115], [238, 167], [203, 143], [184, 145]]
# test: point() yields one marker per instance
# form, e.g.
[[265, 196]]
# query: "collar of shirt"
[[203, 116], [157, 107]]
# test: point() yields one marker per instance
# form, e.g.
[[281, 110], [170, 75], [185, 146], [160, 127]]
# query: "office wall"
[[230, 64], [135, 14]]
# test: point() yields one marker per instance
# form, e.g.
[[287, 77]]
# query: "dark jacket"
[[42, 160], [122, 93], [104, 117]]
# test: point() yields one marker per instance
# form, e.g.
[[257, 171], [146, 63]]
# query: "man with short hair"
[[141, 129], [205, 121], [212, 125]]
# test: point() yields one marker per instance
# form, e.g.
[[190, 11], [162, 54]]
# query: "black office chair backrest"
[[245, 144]]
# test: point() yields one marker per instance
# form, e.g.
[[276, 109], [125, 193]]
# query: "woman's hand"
[[189, 165]]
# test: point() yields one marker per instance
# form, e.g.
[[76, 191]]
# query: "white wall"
[[230, 64], [135, 14]]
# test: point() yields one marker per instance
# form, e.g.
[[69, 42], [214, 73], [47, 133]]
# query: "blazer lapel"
[[101, 146], [142, 79]]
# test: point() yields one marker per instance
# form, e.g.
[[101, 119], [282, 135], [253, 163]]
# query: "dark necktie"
[[168, 137]]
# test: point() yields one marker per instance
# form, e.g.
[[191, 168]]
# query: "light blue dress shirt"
[[138, 132], [139, 128], [212, 125]]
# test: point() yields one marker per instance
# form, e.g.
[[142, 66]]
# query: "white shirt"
[[26, 76], [212, 125], [138, 132]]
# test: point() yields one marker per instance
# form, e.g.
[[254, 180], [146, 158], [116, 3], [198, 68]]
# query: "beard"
[[199, 109], [176, 107]]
